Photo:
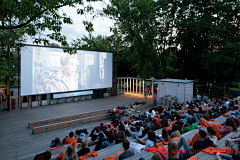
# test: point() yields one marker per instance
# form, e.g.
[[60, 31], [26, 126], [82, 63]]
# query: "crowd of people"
[[174, 121]]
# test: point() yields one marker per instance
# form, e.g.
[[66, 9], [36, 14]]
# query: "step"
[[65, 124]]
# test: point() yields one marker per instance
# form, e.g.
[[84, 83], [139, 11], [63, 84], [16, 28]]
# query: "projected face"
[[71, 67]]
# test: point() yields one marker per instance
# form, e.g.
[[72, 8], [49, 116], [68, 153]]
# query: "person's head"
[[47, 155], [237, 121], [202, 134], [85, 131], [193, 120], [100, 135], [126, 145], [224, 108], [109, 126], [174, 127], [178, 117], [70, 152], [110, 138], [84, 145], [152, 136], [115, 130], [70, 64], [94, 137], [165, 134], [209, 112], [57, 141], [232, 123], [77, 132], [71, 134], [156, 157], [214, 110], [121, 127], [165, 122], [172, 150], [137, 128], [172, 118], [101, 124], [211, 131], [221, 110], [79, 140], [122, 136], [189, 112], [205, 116], [189, 122], [165, 112]]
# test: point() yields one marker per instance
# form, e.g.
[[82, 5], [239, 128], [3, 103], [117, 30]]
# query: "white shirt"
[[149, 144]]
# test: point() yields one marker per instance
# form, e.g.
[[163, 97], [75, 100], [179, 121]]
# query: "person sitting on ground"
[[121, 128], [194, 121], [211, 132], [179, 122], [110, 142], [102, 138], [57, 142], [77, 134], [165, 135], [215, 114], [173, 153], [237, 122], [70, 155], [175, 132], [202, 143], [205, 116], [155, 125], [235, 148], [229, 127], [164, 123], [91, 140], [118, 113], [102, 126], [149, 142], [115, 134], [43, 156], [70, 139], [121, 137], [188, 126], [127, 152], [137, 132], [84, 150], [166, 115], [171, 121]]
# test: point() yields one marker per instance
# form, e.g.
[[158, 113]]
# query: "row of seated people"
[[104, 136]]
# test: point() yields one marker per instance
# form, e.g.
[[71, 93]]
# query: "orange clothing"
[[211, 119], [226, 115], [195, 110], [111, 125], [213, 150], [195, 138], [74, 143], [158, 146], [113, 157], [193, 158], [175, 138], [94, 154], [56, 147], [61, 156], [217, 127], [70, 140], [169, 127]]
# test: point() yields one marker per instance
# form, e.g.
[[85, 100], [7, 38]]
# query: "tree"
[[146, 35], [208, 39]]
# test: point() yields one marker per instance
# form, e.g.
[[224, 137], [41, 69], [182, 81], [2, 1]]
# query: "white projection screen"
[[50, 70]]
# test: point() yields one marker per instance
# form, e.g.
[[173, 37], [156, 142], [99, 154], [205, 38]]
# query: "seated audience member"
[[179, 122], [70, 139], [121, 137], [150, 142], [175, 132], [165, 135], [202, 143], [92, 140], [77, 134], [102, 138], [171, 121], [205, 116], [164, 123], [237, 121], [194, 121], [221, 111], [102, 126], [211, 132], [70, 155], [118, 113], [234, 156], [188, 126], [166, 115], [84, 150], [109, 142], [229, 127], [43, 156], [155, 125], [173, 153], [121, 128], [210, 114], [57, 142], [137, 132], [215, 114], [115, 134], [127, 153]]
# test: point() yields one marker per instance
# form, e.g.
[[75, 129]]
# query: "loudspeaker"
[[11, 93]]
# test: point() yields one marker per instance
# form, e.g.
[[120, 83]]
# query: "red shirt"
[[70, 140], [119, 111]]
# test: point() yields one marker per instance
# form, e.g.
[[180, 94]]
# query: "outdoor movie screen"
[[50, 70]]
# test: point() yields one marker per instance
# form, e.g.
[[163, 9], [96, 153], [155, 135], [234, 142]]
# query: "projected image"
[[51, 70]]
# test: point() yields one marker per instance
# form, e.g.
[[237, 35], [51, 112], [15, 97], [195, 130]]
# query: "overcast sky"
[[77, 30]]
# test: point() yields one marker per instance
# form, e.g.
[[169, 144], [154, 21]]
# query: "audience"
[[127, 153], [84, 150], [71, 138]]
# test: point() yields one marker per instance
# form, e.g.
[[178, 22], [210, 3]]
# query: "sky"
[[101, 25]]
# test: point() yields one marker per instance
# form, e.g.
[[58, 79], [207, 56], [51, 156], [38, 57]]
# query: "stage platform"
[[17, 140]]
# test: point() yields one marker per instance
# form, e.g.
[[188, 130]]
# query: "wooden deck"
[[17, 140]]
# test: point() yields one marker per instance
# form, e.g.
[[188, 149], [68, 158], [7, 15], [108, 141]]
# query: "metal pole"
[[121, 85], [224, 90], [130, 85], [140, 89], [152, 88], [124, 80], [8, 94], [118, 85], [133, 85]]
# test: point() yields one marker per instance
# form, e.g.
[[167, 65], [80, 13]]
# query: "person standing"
[[155, 98], [145, 92]]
